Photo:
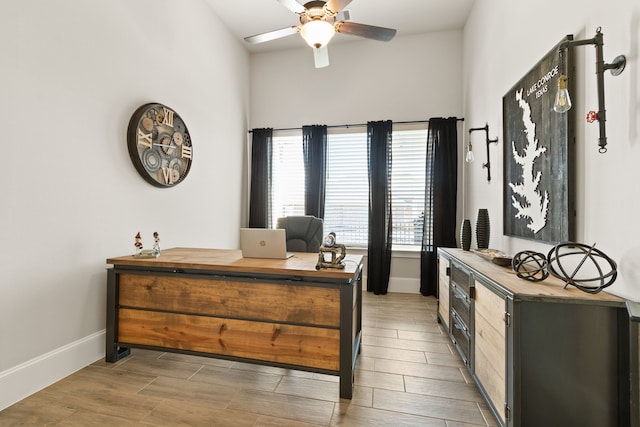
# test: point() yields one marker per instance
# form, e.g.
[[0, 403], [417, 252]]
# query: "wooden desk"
[[215, 303]]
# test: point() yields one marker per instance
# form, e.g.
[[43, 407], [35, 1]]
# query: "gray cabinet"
[[539, 353]]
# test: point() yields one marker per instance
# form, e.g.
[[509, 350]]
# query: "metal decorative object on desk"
[[337, 251], [580, 253], [530, 265]]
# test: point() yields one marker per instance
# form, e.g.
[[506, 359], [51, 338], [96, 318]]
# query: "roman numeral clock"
[[159, 145]]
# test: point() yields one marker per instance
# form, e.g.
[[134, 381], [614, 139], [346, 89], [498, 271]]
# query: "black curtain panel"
[[379, 253], [439, 228], [260, 177], [314, 144]]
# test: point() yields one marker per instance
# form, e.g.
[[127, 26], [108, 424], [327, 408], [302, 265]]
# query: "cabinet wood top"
[[301, 264], [551, 288]]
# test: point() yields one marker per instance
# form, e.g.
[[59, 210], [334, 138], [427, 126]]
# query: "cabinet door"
[[443, 291], [490, 346]]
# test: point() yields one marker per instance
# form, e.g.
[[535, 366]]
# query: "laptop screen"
[[264, 243]]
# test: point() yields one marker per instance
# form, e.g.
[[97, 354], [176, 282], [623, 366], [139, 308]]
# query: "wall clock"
[[159, 145]]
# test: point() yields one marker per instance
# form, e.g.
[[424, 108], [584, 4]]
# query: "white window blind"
[[408, 148], [287, 177], [346, 207]]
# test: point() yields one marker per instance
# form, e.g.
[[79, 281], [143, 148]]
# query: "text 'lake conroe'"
[[540, 87]]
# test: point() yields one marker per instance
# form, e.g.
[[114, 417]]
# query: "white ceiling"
[[249, 17]]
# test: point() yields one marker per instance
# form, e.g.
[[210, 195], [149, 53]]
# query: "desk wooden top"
[[550, 289], [301, 264]]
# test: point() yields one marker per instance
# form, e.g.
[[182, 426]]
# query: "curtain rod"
[[363, 124]]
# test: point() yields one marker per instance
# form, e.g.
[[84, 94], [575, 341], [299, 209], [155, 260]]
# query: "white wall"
[[502, 42], [72, 73], [410, 78]]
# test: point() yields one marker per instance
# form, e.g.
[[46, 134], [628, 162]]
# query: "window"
[[347, 184], [287, 177]]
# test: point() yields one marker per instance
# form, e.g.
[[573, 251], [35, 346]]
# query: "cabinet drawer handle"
[[457, 322], [458, 294], [462, 297], [460, 327]]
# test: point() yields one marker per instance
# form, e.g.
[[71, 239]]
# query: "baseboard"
[[398, 285], [29, 377]]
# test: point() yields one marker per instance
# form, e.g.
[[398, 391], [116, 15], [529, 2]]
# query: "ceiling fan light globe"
[[317, 33]]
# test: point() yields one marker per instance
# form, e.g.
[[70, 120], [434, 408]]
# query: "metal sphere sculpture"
[[582, 266], [530, 265]]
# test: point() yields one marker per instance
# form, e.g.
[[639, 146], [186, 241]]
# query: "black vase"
[[465, 235], [483, 229]]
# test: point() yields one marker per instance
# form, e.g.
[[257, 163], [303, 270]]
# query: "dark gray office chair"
[[304, 233]]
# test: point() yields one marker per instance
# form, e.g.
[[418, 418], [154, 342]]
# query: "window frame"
[[332, 134]]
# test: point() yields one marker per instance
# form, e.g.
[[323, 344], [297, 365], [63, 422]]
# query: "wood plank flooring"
[[408, 374]]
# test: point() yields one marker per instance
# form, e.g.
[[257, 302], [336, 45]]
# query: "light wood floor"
[[408, 374]]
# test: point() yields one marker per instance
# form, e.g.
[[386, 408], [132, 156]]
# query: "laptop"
[[264, 243]]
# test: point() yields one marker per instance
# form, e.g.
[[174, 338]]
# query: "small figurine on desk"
[[138, 244], [156, 243], [146, 253], [329, 245]]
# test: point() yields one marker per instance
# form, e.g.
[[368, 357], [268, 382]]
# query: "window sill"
[[397, 251], [406, 251]]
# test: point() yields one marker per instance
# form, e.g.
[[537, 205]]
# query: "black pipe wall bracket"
[[488, 141]]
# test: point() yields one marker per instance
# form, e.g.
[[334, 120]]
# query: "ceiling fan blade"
[[366, 31], [336, 6], [321, 57], [293, 6], [271, 35]]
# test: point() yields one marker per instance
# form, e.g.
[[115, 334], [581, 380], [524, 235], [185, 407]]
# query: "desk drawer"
[[230, 298], [286, 344]]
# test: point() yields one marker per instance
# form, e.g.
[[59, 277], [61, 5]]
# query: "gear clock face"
[[159, 145]]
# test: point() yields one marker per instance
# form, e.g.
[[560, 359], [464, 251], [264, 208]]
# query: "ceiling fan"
[[319, 21]]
